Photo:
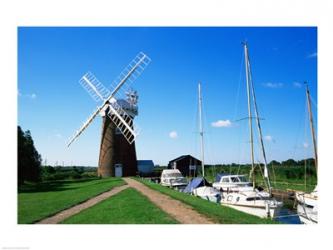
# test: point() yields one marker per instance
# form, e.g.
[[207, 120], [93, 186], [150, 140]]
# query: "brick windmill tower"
[[117, 155]]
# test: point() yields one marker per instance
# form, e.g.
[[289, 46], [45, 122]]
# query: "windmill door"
[[118, 170]]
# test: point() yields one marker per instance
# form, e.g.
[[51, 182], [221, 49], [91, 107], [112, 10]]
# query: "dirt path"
[[178, 210], [78, 208]]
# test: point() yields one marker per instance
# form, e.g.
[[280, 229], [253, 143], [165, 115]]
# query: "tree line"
[[30, 165], [310, 162], [292, 162], [50, 173]]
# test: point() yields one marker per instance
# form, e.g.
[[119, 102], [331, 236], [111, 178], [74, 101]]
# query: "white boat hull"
[[307, 206], [309, 199], [306, 220], [207, 193], [307, 215], [172, 178], [181, 184], [252, 203], [256, 211]]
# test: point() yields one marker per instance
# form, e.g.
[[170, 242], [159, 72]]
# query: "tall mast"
[[312, 127], [249, 110], [201, 132], [259, 126]]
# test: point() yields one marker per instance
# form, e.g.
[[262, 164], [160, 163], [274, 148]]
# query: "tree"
[[309, 162], [274, 163], [28, 159], [21, 155], [289, 162]]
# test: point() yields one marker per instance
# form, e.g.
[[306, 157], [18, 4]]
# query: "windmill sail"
[[85, 125], [123, 121], [119, 117], [132, 71], [94, 87]]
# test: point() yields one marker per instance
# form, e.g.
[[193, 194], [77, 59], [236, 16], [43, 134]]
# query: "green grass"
[[281, 177], [294, 186], [38, 201], [220, 214], [126, 207]]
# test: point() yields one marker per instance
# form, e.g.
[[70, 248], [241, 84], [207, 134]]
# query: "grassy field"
[[127, 207], [282, 177], [293, 186], [38, 201], [220, 214]]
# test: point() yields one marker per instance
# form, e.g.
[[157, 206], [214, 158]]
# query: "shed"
[[187, 165], [145, 167]]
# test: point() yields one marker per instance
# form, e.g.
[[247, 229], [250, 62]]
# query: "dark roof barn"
[[184, 162]]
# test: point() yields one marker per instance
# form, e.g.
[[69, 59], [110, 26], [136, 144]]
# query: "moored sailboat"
[[307, 207], [251, 200], [200, 186]]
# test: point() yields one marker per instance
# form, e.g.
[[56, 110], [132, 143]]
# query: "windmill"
[[117, 155]]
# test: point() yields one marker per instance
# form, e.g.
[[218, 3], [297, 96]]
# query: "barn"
[[145, 167], [187, 165]]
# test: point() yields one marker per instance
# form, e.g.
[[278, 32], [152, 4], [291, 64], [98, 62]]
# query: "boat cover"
[[195, 183]]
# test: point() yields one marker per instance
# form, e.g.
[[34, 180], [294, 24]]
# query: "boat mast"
[[249, 111], [201, 131], [312, 127], [259, 126]]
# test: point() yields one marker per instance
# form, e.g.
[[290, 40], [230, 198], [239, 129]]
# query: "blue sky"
[[52, 104]]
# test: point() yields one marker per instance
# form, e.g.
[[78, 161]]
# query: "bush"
[[290, 174], [64, 173], [89, 174]]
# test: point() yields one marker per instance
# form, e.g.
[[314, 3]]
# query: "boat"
[[232, 183], [307, 203], [200, 186], [253, 202], [242, 196], [307, 208], [238, 193], [173, 178]]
